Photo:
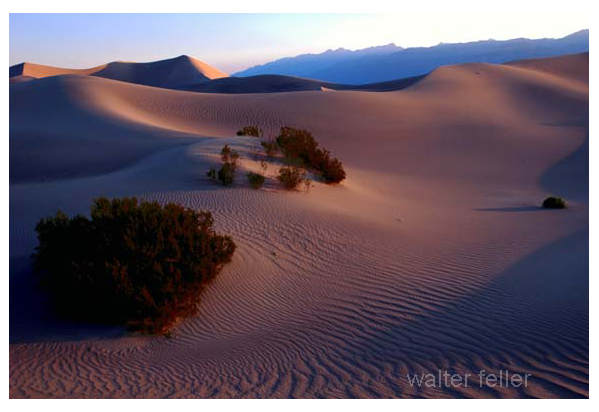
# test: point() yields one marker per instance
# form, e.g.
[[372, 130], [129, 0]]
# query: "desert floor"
[[433, 255]]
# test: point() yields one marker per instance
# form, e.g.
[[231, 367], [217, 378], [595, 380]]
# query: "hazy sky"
[[233, 42]]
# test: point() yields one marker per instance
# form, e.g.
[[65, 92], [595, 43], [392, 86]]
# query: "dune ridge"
[[279, 83], [432, 255], [168, 73], [37, 71]]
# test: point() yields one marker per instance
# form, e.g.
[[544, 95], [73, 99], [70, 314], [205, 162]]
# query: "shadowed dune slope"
[[277, 84], [432, 255], [20, 79]]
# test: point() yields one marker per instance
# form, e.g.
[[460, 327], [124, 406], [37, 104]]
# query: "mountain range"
[[383, 63]]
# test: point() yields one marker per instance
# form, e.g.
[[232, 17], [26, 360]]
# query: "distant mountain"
[[168, 73], [305, 65], [378, 64]]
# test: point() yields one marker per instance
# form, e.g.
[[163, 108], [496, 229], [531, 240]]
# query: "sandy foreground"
[[432, 256]]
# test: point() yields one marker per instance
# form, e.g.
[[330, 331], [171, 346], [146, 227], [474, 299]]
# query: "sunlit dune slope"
[[169, 73]]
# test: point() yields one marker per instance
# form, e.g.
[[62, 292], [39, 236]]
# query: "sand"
[[432, 255], [271, 83], [169, 73]]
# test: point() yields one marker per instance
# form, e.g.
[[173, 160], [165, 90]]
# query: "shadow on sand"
[[510, 209]]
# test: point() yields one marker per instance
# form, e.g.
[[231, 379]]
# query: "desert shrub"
[[137, 264], [296, 143], [256, 180], [291, 177], [225, 153], [330, 169], [554, 203], [270, 148], [212, 174], [300, 144], [250, 131], [229, 155], [234, 158], [263, 165], [226, 174]]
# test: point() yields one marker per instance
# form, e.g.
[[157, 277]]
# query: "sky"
[[233, 42]]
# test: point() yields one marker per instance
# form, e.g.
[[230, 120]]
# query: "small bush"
[[137, 264], [270, 148], [331, 170], [291, 177], [256, 180], [300, 144], [554, 203], [263, 165], [212, 174], [250, 131], [226, 174], [296, 143], [229, 155]]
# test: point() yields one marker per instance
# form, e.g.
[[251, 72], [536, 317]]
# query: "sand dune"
[[37, 71], [433, 254], [189, 74], [574, 66], [277, 84], [169, 73]]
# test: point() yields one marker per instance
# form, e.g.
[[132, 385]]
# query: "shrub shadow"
[[510, 209]]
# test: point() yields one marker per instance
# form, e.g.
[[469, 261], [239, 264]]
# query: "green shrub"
[[300, 144], [554, 203], [263, 166], [292, 176], [256, 180], [296, 143], [137, 264], [250, 131], [212, 174], [270, 148], [331, 170], [226, 174], [229, 155]]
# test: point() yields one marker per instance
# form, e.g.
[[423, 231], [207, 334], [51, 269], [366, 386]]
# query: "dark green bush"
[[256, 180], [229, 155], [226, 174], [296, 143], [212, 174], [554, 203], [137, 264], [331, 170], [270, 148], [300, 144], [250, 131], [292, 176]]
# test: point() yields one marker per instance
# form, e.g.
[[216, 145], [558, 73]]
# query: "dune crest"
[[38, 71], [168, 73]]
